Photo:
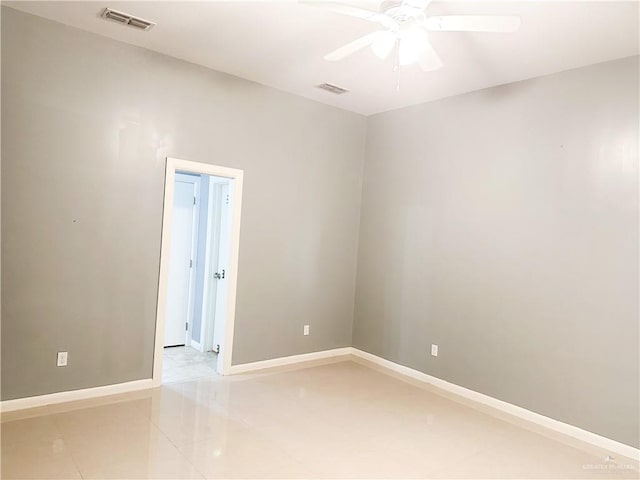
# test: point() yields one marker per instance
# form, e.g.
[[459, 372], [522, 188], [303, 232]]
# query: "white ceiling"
[[282, 44]]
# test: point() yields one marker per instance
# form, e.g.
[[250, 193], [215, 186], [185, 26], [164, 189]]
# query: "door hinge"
[[227, 199], [194, 200], [190, 263], [186, 326]]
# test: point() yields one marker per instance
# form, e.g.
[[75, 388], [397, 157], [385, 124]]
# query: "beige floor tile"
[[243, 453], [120, 441], [39, 431], [194, 424], [521, 453], [509, 461], [151, 457], [119, 420], [38, 461], [337, 419]]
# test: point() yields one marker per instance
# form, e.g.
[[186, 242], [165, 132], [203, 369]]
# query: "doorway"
[[198, 271]]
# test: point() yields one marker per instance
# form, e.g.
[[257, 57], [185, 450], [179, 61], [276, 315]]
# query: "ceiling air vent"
[[126, 19], [332, 88]]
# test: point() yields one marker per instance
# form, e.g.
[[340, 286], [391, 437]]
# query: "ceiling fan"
[[406, 28]]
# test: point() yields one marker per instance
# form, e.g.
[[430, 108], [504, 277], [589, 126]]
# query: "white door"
[[222, 269], [180, 263]]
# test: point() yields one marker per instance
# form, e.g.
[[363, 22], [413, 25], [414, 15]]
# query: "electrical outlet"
[[306, 330], [62, 359], [434, 350]]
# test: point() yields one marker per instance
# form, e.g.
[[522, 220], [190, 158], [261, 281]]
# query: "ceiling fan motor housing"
[[403, 14]]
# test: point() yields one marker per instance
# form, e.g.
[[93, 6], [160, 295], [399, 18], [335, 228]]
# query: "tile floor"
[[187, 363], [332, 419]]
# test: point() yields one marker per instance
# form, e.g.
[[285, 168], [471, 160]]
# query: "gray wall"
[[502, 225], [87, 123]]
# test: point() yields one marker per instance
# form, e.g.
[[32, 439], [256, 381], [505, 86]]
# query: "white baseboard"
[[519, 412], [536, 418], [278, 362], [73, 395]]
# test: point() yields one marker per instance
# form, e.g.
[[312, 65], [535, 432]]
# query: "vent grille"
[[126, 19], [332, 88]]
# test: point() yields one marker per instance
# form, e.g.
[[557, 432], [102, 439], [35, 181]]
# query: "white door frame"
[[211, 262], [236, 176]]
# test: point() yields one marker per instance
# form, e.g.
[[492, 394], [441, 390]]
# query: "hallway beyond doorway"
[[187, 363]]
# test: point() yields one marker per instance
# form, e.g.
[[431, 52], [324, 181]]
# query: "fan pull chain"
[[396, 63], [396, 56]]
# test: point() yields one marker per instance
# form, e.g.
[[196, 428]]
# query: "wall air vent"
[[126, 19], [332, 88]]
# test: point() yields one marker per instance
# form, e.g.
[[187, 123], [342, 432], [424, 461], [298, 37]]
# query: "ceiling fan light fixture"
[[408, 54], [412, 43], [383, 44]]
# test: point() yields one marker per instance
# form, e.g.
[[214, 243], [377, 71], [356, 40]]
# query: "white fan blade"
[[352, 47], [421, 4], [474, 23], [429, 59], [353, 12]]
